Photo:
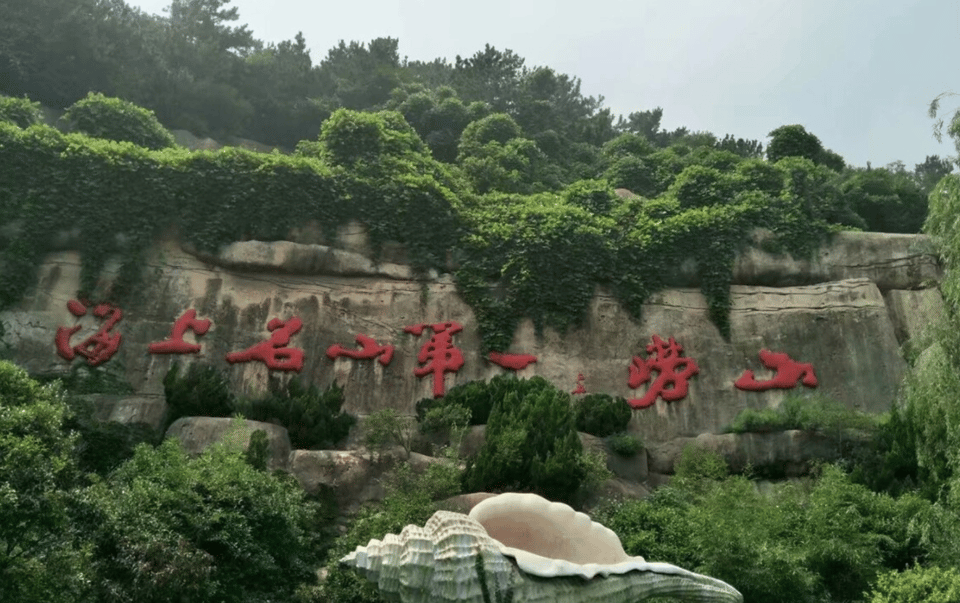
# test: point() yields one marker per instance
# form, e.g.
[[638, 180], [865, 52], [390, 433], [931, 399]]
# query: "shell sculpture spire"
[[521, 548]]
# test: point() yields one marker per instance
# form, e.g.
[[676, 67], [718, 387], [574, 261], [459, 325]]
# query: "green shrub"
[[20, 111], [202, 391], [697, 463], [479, 397], [601, 414], [313, 418], [258, 450], [116, 119], [531, 445], [807, 413], [750, 420], [167, 527], [387, 427], [625, 444], [39, 560], [917, 585]]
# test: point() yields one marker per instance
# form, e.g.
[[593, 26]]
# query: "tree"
[[117, 119], [491, 76], [167, 528], [888, 201], [931, 171], [748, 149], [644, 123], [361, 76], [953, 125], [38, 561], [531, 445], [793, 141]]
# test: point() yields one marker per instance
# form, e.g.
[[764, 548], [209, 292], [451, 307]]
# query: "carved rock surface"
[[841, 327], [196, 434]]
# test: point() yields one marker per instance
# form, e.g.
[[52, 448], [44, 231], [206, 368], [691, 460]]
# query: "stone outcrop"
[[196, 434], [784, 453], [130, 410], [354, 476], [846, 311]]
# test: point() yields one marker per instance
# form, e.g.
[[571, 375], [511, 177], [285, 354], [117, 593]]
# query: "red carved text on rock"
[[175, 343], [273, 353], [438, 355], [789, 372], [97, 348], [369, 349], [673, 369]]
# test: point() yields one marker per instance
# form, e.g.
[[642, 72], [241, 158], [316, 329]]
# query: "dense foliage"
[[530, 445], [115, 119], [159, 526], [313, 418], [601, 414]]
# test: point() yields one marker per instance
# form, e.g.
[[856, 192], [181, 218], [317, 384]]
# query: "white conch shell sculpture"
[[521, 548]]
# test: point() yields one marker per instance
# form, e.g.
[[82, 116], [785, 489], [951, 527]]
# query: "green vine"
[[540, 256]]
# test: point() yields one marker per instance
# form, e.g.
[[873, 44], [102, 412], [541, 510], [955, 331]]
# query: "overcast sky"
[[860, 74]]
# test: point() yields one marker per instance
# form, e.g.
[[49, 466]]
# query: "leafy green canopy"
[[167, 527], [516, 255], [20, 111], [116, 119], [38, 561], [825, 542], [531, 444]]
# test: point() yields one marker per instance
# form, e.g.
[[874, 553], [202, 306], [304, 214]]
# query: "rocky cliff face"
[[846, 312]]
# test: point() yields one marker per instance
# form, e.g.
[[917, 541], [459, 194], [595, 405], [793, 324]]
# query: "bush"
[[167, 527], [38, 559], [116, 119], [625, 444], [313, 418], [386, 427], [201, 392], [917, 585], [531, 445], [20, 111], [807, 413], [697, 463], [602, 415], [479, 397]]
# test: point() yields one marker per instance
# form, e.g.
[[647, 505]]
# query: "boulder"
[[913, 312], [781, 453], [196, 434], [145, 410], [355, 476], [298, 258], [891, 261]]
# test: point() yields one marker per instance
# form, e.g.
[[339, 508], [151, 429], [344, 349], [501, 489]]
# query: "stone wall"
[[847, 312]]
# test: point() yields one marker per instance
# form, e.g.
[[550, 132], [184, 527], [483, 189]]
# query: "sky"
[[859, 74]]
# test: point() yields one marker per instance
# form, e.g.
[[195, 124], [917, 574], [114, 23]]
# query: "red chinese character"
[[99, 347], [175, 343], [368, 349], [439, 353], [514, 362], [580, 388], [788, 373], [272, 353], [674, 371]]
